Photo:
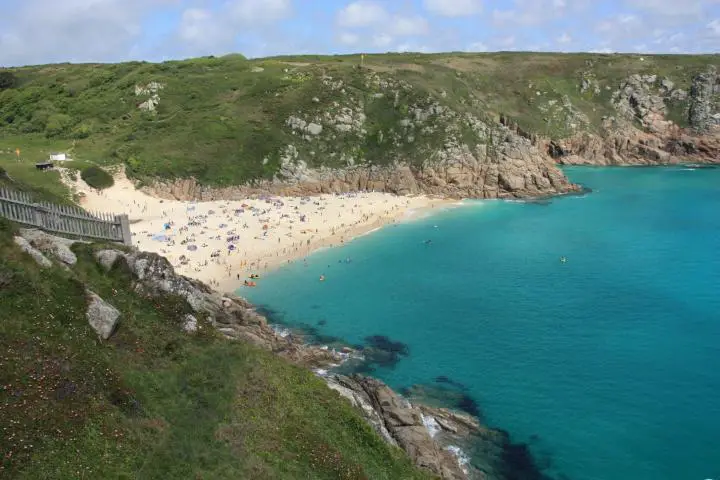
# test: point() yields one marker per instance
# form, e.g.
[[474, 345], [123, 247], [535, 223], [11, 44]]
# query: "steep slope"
[[154, 401], [480, 125]]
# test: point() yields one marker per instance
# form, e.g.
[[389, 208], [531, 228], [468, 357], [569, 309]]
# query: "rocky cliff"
[[641, 132]]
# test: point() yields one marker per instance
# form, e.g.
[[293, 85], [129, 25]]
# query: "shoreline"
[[337, 240], [222, 242]]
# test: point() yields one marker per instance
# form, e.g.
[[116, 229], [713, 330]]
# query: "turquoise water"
[[608, 365]]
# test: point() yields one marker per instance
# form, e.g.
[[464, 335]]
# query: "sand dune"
[[222, 242]]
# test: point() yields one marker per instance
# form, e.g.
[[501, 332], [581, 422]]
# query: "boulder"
[[107, 258], [33, 252], [102, 316], [50, 244]]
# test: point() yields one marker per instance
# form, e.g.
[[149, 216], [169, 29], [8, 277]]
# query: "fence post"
[[125, 229]]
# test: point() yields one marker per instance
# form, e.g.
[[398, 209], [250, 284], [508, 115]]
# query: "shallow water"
[[606, 364]]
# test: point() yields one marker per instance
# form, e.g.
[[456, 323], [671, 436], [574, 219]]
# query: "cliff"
[[459, 125]]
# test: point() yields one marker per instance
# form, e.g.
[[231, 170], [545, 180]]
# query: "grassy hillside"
[[154, 402], [225, 120]]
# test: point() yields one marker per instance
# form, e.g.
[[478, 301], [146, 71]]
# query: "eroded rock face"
[[516, 168], [703, 104]]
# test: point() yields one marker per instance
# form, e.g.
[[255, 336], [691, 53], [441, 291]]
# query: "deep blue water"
[[609, 364]]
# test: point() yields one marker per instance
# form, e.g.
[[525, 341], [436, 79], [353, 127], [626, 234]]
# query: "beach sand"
[[222, 242]]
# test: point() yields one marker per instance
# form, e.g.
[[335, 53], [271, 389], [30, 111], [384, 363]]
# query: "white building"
[[58, 157]]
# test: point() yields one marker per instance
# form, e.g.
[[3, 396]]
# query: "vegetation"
[[224, 120], [7, 80], [154, 402], [97, 178]]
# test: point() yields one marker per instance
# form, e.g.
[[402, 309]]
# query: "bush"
[[98, 178], [7, 80], [57, 124]]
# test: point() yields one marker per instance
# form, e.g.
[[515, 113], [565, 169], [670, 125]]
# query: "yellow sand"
[[270, 232]]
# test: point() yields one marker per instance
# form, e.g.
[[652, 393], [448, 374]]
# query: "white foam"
[[281, 331], [369, 232], [431, 425], [462, 458], [321, 371]]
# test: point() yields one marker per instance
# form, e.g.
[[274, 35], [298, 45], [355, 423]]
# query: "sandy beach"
[[222, 242]]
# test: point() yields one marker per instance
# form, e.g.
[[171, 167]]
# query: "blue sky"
[[43, 31]]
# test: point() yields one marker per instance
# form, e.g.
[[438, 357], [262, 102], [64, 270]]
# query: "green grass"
[[224, 123], [153, 402]]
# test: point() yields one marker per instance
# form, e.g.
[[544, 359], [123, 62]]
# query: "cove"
[[605, 365]]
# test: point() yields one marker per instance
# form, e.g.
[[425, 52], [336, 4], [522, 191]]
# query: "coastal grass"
[[223, 119], [153, 401]]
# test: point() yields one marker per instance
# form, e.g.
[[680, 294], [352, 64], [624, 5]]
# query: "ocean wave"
[[369, 232], [281, 331], [462, 458], [431, 425]]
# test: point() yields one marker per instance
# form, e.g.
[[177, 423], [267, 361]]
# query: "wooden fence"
[[19, 207]]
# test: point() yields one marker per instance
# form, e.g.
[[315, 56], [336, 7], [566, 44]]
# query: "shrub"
[[7, 80], [57, 124], [98, 178]]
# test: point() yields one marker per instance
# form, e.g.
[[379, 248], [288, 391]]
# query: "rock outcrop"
[[102, 316], [704, 102], [641, 133], [231, 315], [516, 168], [436, 439], [50, 244], [36, 254], [401, 423]]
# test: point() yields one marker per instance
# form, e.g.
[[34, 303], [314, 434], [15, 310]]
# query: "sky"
[[49, 31]]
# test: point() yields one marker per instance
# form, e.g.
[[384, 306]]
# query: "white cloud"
[[505, 43], [536, 12], [349, 38], [477, 47], [714, 27], [602, 50], [382, 40], [564, 39], [619, 24], [671, 7], [260, 11], [453, 8], [409, 26], [40, 31], [362, 13]]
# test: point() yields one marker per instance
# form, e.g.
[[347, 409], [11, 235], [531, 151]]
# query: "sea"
[[606, 364]]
